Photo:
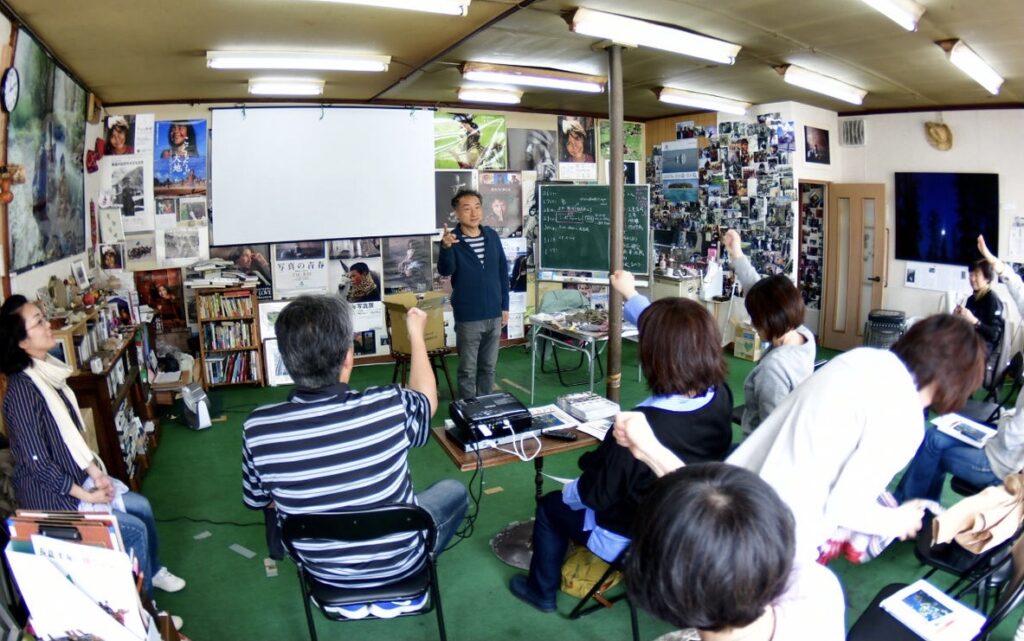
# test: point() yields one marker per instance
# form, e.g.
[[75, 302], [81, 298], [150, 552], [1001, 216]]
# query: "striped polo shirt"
[[334, 448], [476, 243]]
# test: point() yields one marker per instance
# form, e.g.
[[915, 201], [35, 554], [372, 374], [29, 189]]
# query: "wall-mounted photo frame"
[[268, 311], [277, 373], [80, 274]]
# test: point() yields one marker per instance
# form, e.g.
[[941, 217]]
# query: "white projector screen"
[[286, 174]]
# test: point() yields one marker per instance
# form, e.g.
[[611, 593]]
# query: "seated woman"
[[713, 550], [54, 469], [681, 356], [983, 309], [833, 445], [941, 454], [776, 309]]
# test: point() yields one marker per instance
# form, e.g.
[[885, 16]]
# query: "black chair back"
[[360, 524]]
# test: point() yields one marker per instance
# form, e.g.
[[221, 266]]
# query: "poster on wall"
[[299, 268], [632, 140], [361, 281], [46, 135], [162, 290], [277, 373], [502, 202], [125, 187], [576, 148], [369, 329], [182, 246], [407, 264], [447, 183], [469, 141], [533, 150], [179, 158], [816, 147], [127, 135], [355, 248], [140, 251]]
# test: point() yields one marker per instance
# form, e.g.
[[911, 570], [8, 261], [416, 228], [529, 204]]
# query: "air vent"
[[853, 133]]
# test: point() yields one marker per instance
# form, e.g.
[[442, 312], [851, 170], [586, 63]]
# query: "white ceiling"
[[152, 51]]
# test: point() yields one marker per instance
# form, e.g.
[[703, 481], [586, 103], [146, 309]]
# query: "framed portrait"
[[80, 274], [64, 349], [277, 373]]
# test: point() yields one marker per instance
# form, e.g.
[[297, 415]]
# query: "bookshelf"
[[229, 337], [120, 404]]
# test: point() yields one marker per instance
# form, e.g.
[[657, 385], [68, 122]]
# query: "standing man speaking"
[[472, 255]]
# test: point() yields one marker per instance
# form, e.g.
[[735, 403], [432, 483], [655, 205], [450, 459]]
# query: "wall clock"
[[10, 87]]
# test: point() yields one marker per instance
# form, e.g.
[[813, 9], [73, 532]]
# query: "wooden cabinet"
[[120, 404], [229, 337]]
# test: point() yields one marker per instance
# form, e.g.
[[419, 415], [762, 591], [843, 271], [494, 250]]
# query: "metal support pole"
[[616, 179]]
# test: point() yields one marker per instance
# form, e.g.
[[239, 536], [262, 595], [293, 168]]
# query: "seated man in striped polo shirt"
[[330, 447]]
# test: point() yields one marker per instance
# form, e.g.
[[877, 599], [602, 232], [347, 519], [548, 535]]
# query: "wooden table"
[[468, 461]]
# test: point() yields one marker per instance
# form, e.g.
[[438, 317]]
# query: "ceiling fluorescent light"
[[905, 13], [971, 64], [702, 101], [533, 77], [481, 94], [320, 61], [814, 81], [449, 7], [286, 87], [630, 31]]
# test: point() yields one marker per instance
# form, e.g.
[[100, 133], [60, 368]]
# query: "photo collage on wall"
[[812, 243], [742, 179]]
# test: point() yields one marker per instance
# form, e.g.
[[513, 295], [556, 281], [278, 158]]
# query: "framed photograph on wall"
[[268, 311], [64, 348], [80, 274], [277, 373]]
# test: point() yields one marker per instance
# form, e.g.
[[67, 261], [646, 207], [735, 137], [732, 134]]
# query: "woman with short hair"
[[713, 550], [776, 309], [689, 410], [54, 469]]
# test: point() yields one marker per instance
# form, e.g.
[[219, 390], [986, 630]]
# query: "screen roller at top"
[[288, 174]]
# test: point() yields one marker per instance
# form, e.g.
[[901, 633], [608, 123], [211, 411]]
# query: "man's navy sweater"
[[479, 292]]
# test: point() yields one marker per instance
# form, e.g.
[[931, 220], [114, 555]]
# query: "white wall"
[[989, 141]]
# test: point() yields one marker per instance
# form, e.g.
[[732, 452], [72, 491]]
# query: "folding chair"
[[601, 601], [987, 409], [347, 526], [875, 623]]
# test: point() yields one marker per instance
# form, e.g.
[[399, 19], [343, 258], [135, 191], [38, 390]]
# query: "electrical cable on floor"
[[475, 495], [208, 521]]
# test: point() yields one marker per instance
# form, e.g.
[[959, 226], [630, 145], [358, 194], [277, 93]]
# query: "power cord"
[[476, 491], [190, 519]]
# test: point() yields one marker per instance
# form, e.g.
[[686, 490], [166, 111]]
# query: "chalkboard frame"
[[564, 263]]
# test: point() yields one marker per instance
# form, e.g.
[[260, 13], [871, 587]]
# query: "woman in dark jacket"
[[983, 309], [690, 407]]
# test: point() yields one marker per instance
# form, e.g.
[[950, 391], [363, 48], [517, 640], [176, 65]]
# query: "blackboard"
[[575, 230]]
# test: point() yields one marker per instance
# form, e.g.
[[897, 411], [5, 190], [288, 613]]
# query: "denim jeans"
[[941, 454], [556, 523], [138, 530], [478, 343], [447, 502]]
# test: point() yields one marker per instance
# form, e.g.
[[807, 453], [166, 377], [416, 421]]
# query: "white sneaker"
[[177, 621], [167, 581]]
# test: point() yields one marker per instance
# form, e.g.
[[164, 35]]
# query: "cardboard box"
[[432, 303], [747, 344], [165, 394]]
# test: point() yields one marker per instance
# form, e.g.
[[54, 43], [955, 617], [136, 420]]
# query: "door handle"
[[875, 279]]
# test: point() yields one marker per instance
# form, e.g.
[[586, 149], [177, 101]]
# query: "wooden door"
[[855, 262]]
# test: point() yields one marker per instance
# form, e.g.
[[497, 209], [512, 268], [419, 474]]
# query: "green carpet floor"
[[194, 484]]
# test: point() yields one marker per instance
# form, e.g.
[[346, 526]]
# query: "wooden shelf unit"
[[121, 404], [229, 337]]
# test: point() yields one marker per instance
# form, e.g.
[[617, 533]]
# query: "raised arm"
[[745, 272], [633, 432], [421, 375], [1013, 282]]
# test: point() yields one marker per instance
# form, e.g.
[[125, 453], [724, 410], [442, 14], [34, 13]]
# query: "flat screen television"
[[939, 216]]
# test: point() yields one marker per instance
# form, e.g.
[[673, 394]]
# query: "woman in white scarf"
[[54, 469]]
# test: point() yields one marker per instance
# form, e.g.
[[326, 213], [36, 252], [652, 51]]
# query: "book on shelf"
[[588, 406], [932, 614]]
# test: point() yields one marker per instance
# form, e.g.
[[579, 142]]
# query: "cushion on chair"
[[326, 595]]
